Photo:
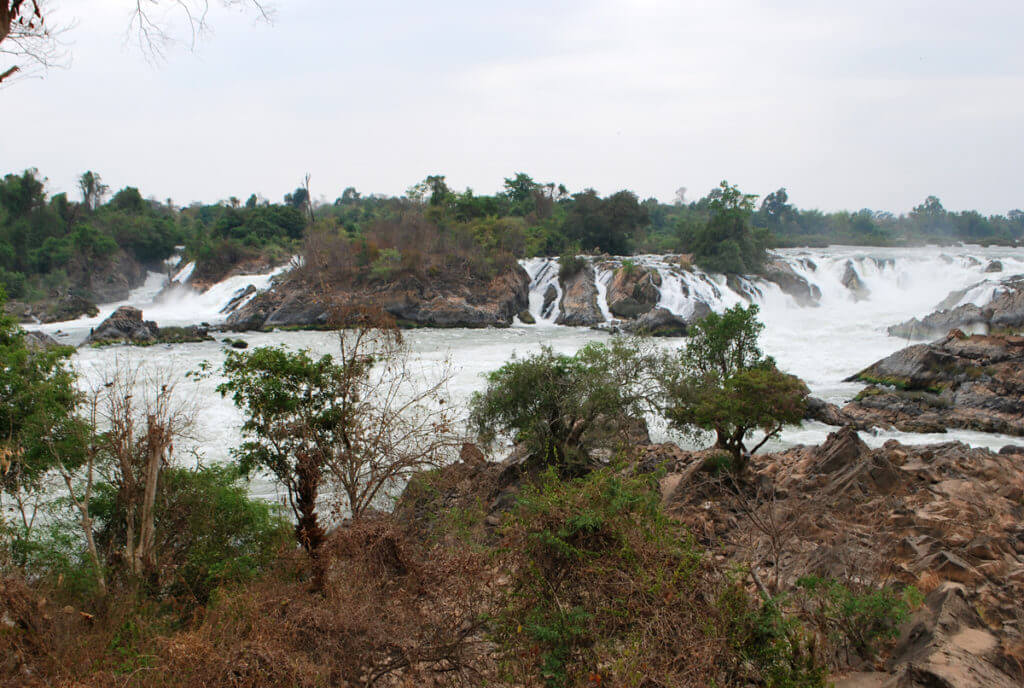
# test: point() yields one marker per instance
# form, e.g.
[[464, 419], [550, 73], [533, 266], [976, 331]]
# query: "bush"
[[210, 533], [855, 620], [569, 265], [605, 588]]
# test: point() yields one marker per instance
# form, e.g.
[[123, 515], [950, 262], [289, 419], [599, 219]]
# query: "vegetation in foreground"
[[146, 573]]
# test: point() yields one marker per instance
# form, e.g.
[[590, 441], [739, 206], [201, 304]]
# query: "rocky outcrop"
[[550, 297], [67, 307], [783, 274], [40, 341], [294, 303], [1005, 312], [975, 383], [579, 300], [663, 323], [994, 266], [633, 291], [942, 517], [126, 326], [852, 281]]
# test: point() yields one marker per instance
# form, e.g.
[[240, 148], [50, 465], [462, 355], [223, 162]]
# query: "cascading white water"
[[603, 275], [543, 273], [170, 301]]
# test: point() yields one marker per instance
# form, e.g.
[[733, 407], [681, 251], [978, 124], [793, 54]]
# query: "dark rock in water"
[[294, 302], [550, 296], [975, 383], [1005, 312], [661, 322], [633, 291], [1012, 449], [67, 307], [239, 344], [238, 298], [526, 317], [783, 274], [852, 281], [126, 326], [40, 341], [579, 300], [994, 266]]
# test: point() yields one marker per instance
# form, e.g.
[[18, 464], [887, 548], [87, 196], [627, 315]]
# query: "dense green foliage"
[[38, 399], [722, 382], [559, 406], [211, 532], [51, 245]]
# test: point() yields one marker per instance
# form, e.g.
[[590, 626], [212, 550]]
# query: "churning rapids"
[[822, 344]]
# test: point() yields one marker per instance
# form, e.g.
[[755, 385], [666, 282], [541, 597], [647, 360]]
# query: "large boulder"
[[782, 273], [1005, 312], [975, 383], [661, 322], [579, 300], [124, 325], [633, 291], [852, 281], [297, 303]]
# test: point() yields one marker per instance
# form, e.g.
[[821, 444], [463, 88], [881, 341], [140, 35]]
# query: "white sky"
[[848, 105]]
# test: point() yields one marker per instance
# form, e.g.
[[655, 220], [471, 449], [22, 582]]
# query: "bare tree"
[[31, 38], [143, 419], [400, 421]]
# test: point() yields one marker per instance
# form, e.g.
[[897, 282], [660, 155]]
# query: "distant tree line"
[[53, 244]]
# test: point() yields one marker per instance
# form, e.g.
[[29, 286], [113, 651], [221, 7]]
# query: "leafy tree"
[[93, 190], [560, 407], [727, 243], [38, 399], [359, 423], [722, 382]]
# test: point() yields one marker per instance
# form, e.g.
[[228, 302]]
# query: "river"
[[822, 344]]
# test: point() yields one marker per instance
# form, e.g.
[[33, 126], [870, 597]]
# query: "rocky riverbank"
[[960, 381], [1004, 313], [126, 326]]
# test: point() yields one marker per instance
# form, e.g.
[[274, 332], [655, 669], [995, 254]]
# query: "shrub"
[[569, 265], [856, 620], [210, 533], [605, 588]]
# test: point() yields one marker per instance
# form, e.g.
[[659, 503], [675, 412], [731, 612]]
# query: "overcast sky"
[[848, 105]]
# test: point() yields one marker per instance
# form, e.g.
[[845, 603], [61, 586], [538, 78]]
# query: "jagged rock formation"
[[975, 383], [633, 291], [782, 274], [945, 518], [852, 281], [579, 300], [663, 323], [126, 326], [1005, 312]]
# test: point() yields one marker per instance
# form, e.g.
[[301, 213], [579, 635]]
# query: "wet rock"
[[1005, 312], [124, 324], [550, 297], [783, 274], [975, 383], [994, 266], [238, 298], [1012, 449], [40, 341], [633, 291], [661, 322], [852, 281], [579, 300]]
